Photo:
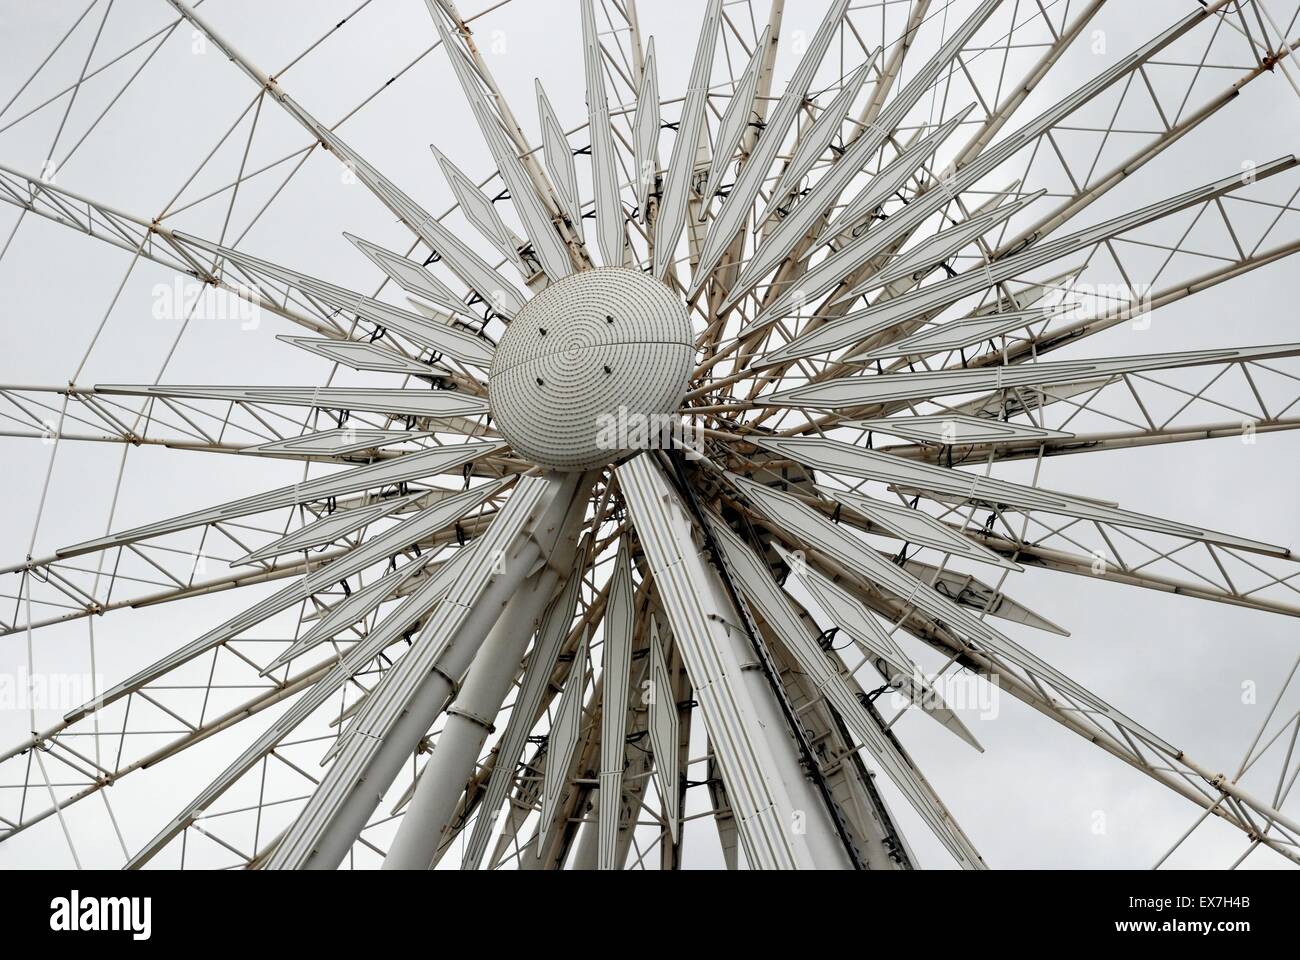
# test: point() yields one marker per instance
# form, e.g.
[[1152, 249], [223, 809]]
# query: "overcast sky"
[[1033, 798]]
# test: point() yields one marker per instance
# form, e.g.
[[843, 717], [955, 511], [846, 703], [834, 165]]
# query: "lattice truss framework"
[[468, 659]]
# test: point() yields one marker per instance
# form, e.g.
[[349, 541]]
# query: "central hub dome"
[[585, 363]]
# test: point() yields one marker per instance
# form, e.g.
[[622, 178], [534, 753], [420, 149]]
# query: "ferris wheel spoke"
[[562, 740], [887, 182], [610, 219], [850, 329], [605, 841], [943, 246], [731, 217], [1061, 331], [119, 231], [796, 635], [811, 211], [681, 165], [879, 648], [1093, 188], [482, 215], [469, 266], [318, 305], [1131, 400], [909, 159], [152, 558], [900, 522], [398, 713], [616, 665], [937, 451], [529, 783], [537, 219], [1089, 549], [657, 774], [837, 457], [355, 607], [825, 537], [974, 163], [827, 190], [811, 145], [1115, 409], [865, 128], [378, 549], [736, 117], [559, 163], [645, 135], [700, 205], [526, 777], [968, 590], [1000, 301], [1089, 186], [130, 758], [1016, 671], [1122, 556], [150, 241], [129, 740], [1071, 331], [411, 613], [1170, 767], [407, 468], [330, 299], [434, 405], [367, 357], [414, 279], [238, 427], [882, 390], [562, 817], [665, 730], [856, 258], [537, 200], [965, 332]]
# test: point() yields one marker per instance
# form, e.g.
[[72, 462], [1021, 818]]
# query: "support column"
[[782, 823], [363, 772], [470, 716]]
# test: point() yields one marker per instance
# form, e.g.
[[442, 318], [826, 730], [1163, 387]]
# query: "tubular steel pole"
[[470, 716]]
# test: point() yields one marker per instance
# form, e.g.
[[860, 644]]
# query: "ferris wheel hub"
[[588, 365]]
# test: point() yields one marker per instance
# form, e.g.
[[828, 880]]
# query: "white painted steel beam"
[[755, 752]]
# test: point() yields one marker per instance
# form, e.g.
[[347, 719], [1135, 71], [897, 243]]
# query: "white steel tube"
[[471, 714]]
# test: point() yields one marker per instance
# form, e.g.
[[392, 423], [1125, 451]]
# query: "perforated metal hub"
[[597, 348]]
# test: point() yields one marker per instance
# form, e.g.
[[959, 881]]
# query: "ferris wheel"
[[664, 486]]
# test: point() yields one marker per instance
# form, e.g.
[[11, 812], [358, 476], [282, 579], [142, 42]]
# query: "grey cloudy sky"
[[1032, 799]]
